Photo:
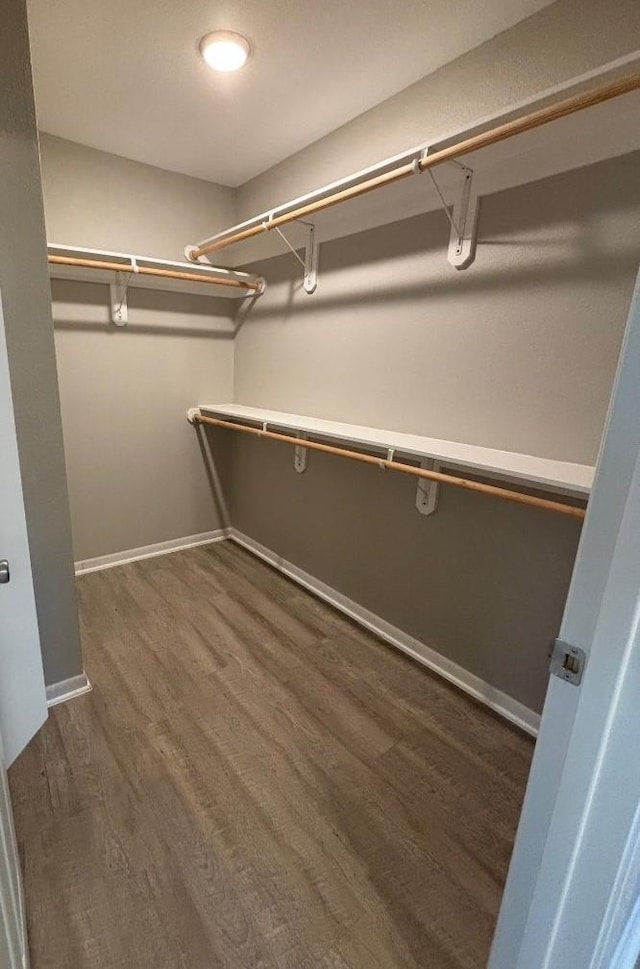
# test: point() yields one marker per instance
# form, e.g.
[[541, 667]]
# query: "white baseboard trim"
[[495, 699], [68, 689], [149, 551]]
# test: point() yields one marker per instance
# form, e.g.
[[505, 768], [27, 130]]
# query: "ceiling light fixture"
[[225, 51]]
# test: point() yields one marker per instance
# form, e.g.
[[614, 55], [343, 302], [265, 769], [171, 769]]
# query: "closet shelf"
[[578, 123], [562, 477], [144, 272]]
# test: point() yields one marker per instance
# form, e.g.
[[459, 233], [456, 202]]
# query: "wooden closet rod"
[[438, 476], [153, 271], [517, 126]]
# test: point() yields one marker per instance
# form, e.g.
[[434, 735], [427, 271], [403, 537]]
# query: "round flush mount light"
[[224, 50]]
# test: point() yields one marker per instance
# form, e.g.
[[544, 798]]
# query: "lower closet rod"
[[153, 271], [439, 476]]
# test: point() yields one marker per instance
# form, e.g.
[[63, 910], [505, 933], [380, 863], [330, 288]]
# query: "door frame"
[[581, 799]]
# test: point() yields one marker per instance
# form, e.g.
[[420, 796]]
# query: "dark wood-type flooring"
[[255, 782]]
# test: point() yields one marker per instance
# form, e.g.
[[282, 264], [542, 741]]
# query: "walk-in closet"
[[320, 569]]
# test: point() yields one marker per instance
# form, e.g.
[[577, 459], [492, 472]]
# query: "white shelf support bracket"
[[118, 297], [311, 262], [463, 219], [464, 227], [427, 493], [300, 455], [118, 294], [311, 253]]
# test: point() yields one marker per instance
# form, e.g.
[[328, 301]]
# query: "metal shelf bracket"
[[300, 455], [311, 262], [118, 294], [311, 254], [427, 492], [118, 299], [464, 230], [463, 219]]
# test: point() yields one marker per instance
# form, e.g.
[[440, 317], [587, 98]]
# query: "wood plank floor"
[[257, 783]]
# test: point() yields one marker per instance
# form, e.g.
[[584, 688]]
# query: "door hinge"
[[567, 662]]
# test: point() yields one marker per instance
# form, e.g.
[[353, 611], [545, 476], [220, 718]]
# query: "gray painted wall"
[[481, 581], [103, 201], [136, 474], [518, 352], [30, 345], [562, 41]]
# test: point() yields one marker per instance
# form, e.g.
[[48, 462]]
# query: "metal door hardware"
[[5, 575], [567, 662]]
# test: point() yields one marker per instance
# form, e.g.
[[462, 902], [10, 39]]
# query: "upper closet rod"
[[469, 484], [535, 119], [253, 285]]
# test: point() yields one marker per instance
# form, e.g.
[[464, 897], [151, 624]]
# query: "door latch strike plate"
[[567, 662]]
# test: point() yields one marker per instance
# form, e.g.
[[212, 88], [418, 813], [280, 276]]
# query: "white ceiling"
[[125, 75]]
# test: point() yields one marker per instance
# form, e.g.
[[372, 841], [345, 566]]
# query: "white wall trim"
[[68, 689], [495, 699], [149, 551]]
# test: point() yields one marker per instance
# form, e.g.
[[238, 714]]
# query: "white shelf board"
[[137, 281], [559, 476]]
